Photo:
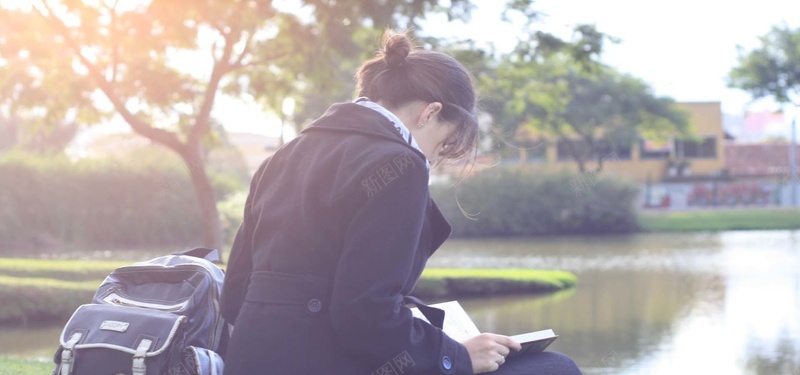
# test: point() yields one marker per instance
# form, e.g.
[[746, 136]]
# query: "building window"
[[607, 151], [654, 150], [564, 149], [703, 149], [602, 150]]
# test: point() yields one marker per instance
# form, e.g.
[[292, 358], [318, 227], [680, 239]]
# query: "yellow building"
[[675, 160]]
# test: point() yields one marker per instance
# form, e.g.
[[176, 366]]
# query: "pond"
[[708, 303], [715, 303]]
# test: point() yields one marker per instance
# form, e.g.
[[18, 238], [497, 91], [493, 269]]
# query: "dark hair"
[[402, 73]]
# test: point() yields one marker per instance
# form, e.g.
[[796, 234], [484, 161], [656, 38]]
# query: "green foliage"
[[8, 133], [450, 283], [520, 201], [720, 220], [227, 170], [95, 203], [773, 68], [24, 302], [17, 366], [160, 64], [42, 290], [231, 210], [66, 270], [552, 89], [49, 290]]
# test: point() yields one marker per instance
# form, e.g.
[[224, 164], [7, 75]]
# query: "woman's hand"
[[488, 351]]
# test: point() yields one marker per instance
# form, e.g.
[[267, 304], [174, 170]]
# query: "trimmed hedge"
[[521, 201], [144, 201]]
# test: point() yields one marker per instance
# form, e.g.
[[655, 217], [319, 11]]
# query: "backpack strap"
[[67, 355], [211, 255], [139, 367]]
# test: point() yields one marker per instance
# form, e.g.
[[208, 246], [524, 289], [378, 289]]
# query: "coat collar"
[[358, 119], [402, 129], [440, 228]]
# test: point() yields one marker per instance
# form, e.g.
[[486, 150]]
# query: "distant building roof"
[[758, 160], [759, 126]]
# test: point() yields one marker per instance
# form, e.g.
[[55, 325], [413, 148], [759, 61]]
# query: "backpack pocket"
[[105, 339]]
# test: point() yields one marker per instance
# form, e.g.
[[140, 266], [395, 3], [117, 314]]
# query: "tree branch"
[[203, 119], [161, 136], [239, 63], [114, 41]]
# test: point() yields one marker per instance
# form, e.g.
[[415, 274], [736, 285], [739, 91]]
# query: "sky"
[[683, 48]]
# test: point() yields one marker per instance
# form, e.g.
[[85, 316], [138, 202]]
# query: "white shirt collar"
[[401, 128]]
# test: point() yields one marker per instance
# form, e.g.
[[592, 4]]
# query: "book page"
[[534, 336], [457, 324], [534, 341]]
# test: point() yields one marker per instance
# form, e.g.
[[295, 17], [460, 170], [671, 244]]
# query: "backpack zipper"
[[116, 299]]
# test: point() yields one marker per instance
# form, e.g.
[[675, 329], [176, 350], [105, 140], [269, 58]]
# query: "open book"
[[459, 326]]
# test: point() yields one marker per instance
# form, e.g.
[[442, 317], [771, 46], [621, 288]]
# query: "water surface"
[[711, 303]]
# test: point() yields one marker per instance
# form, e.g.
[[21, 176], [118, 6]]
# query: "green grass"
[[451, 282], [720, 220], [44, 265], [41, 290], [17, 366], [69, 270], [43, 282], [558, 279], [49, 290]]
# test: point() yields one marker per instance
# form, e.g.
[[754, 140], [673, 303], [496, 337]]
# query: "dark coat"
[[337, 228]]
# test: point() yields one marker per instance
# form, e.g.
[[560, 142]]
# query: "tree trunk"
[[206, 200], [581, 165], [575, 155]]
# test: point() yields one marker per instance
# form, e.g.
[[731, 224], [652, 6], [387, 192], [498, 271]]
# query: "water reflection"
[[29, 342], [714, 303], [722, 303]]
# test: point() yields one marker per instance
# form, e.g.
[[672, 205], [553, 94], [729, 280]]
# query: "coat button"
[[446, 363], [314, 305]]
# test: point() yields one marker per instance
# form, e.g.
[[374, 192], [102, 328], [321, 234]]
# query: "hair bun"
[[395, 49]]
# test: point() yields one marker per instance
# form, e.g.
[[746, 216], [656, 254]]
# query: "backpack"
[[150, 318]]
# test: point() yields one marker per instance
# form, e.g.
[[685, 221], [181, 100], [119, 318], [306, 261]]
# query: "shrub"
[[144, 200], [40, 300], [520, 201]]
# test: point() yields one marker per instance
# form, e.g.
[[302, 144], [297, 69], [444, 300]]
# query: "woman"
[[338, 226]]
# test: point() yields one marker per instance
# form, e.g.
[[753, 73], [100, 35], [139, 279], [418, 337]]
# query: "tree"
[[160, 64], [772, 69], [554, 89], [8, 133], [51, 140]]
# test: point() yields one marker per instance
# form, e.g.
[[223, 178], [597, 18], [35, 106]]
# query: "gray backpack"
[[150, 318]]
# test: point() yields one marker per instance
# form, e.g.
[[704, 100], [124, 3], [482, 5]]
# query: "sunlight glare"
[[25, 5]]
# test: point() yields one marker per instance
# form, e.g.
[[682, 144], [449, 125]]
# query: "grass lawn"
[[16, 366], [720, 219], [451, 282], [42, 290]]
